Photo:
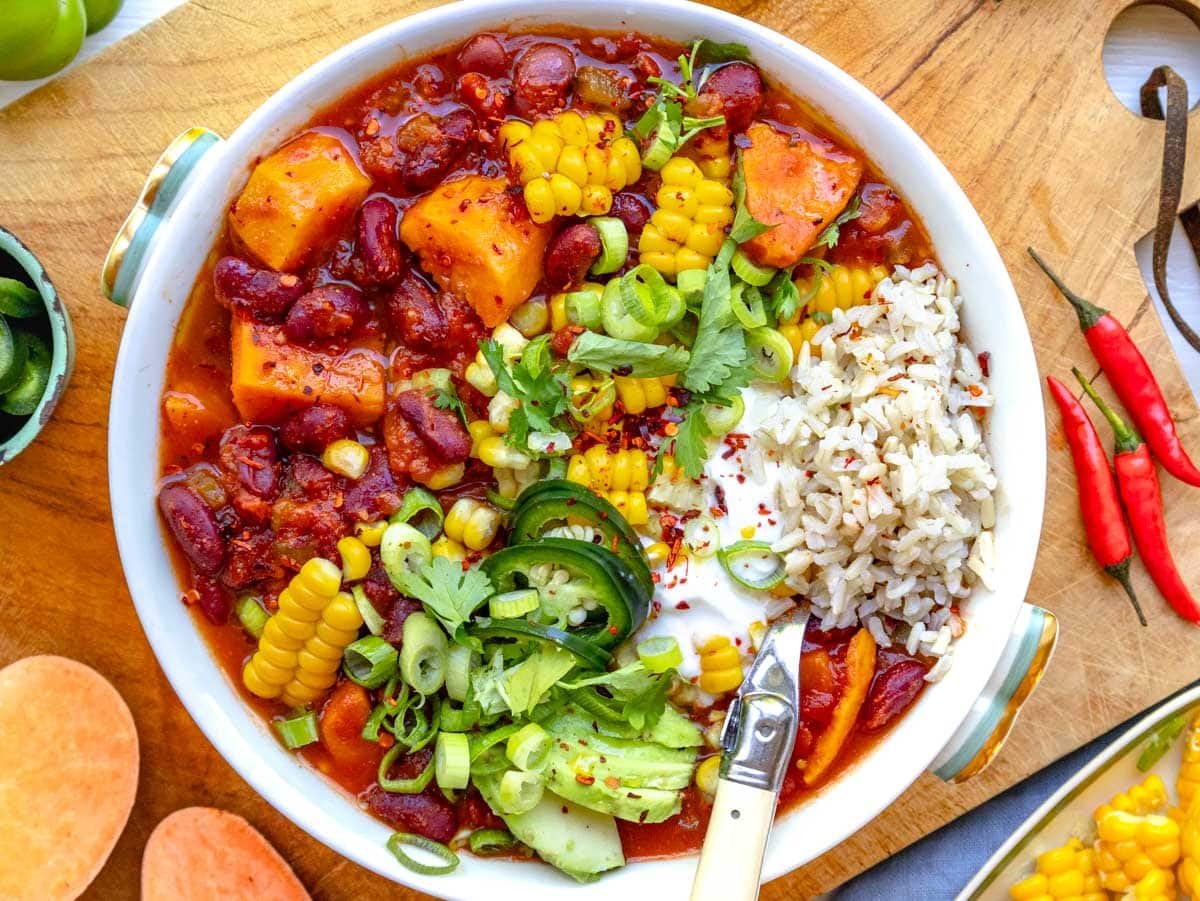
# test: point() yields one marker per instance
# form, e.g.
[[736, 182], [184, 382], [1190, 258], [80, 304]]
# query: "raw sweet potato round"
[[200, 853], [69, 758]]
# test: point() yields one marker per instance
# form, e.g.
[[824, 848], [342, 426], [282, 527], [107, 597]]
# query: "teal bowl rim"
[[62, 359]]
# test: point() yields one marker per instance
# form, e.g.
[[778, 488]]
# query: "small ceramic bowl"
[[18, 261]]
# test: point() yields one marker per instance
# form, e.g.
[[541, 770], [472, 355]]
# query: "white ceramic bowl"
[[958, 721]]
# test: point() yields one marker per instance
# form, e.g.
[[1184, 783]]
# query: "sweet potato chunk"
[[478, 243], [273, 379], [798, 183], [297, 198]]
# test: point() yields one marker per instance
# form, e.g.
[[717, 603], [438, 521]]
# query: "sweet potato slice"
[[478, 242], [69, 759], [860, 670], [297, 198], [799, 184], [202, 853], [273, 379]]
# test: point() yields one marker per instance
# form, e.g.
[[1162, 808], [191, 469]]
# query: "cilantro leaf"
[[635, 358], [720, 344], [833, 232], [542, 388], [447, 399], [745, 226], [706, 52], [642, 694], [783, 296], [449, 592], [691, 443]]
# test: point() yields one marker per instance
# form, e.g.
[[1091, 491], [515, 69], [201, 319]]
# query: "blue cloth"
[[942, 863]]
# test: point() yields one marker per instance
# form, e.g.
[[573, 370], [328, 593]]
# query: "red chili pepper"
[[1131, 379], [1103, 519], [1138, 485]]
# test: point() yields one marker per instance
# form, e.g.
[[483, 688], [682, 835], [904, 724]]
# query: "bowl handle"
[[982, 734], [164, 185]]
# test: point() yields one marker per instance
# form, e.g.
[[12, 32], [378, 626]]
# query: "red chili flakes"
[[974, 390], [613, 630], [741, 479], [985, 363], [683, 605], [612, 782], [670, 429], [584, 778]]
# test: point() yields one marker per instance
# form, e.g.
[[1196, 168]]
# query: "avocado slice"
[[580, 842], [672, 730], [638, 805]]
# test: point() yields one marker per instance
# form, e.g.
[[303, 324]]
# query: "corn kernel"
[[567, 194], [594, 200], [472, 523], [539, 199], [444, 476], [449, 548], [572, 128], [371, 533], [680, 170], [356, 559], [707, 775]]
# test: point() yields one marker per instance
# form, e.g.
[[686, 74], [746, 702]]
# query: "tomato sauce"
[[198, 406]]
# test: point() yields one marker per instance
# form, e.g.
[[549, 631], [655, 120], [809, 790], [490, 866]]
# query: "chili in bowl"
[[494, 430]]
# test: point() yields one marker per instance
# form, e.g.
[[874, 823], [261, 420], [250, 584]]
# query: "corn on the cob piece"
[[1148, 796], [639, 395], [688, 228], [472, 523], [570, 164], [1131, 847], [620, 477], [720, 665], [1189, 768], [301, 647], [841, 288], [1065, 872]]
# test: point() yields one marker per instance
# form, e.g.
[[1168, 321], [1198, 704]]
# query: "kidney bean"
[[251, 559], [378, 244], [315, 428], [633, 210], [422, 150], [261, 293], [430, 81], [249, 454], [542, 79], [330, 311], [441, 430], [194, 526], [894, 689], [375, 494], [213, 599], [402, 608], [308, 479], [416, 316], [427, 813], [485, 97], [484, 54], [569, 256], [738, 89]]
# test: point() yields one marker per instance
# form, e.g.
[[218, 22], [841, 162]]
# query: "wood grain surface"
[[1009, 94]]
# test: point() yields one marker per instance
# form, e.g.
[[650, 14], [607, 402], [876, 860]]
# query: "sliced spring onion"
[[422, 510], [423, 654], [458, 719], [770, 354], [556, 467], [690, 283], [1161, 742], [616, 321], [370, 730], [251, 615], [496, 499], [396, 845], [511, 604], [702, 536], [487, 740], [452, 760], [747, 304], [413, 786], [529, 748], [614, 244], [661, 147], [724, 419], [370, 661], [753, 564], [297, 730], [646, 296], [660, 653], [370, 616], [460, 660], [676, 310], [403, 549], [487, 842], [749, 271], [520, 791], [583, 308]]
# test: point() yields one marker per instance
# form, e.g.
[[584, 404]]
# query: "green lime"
[[18, 300], [100, 13], [39, 37], [23, 399], [14, 351]]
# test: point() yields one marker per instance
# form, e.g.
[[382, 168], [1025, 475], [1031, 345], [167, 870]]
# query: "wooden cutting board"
[[1010, 95]]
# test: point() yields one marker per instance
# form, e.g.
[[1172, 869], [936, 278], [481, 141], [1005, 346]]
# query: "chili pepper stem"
[[1127, 439], [1120, 572], [1089, 314]]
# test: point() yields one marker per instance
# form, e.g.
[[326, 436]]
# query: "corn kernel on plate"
[[1126, 825]]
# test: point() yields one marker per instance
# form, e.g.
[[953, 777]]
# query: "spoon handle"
[[731, 862]]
